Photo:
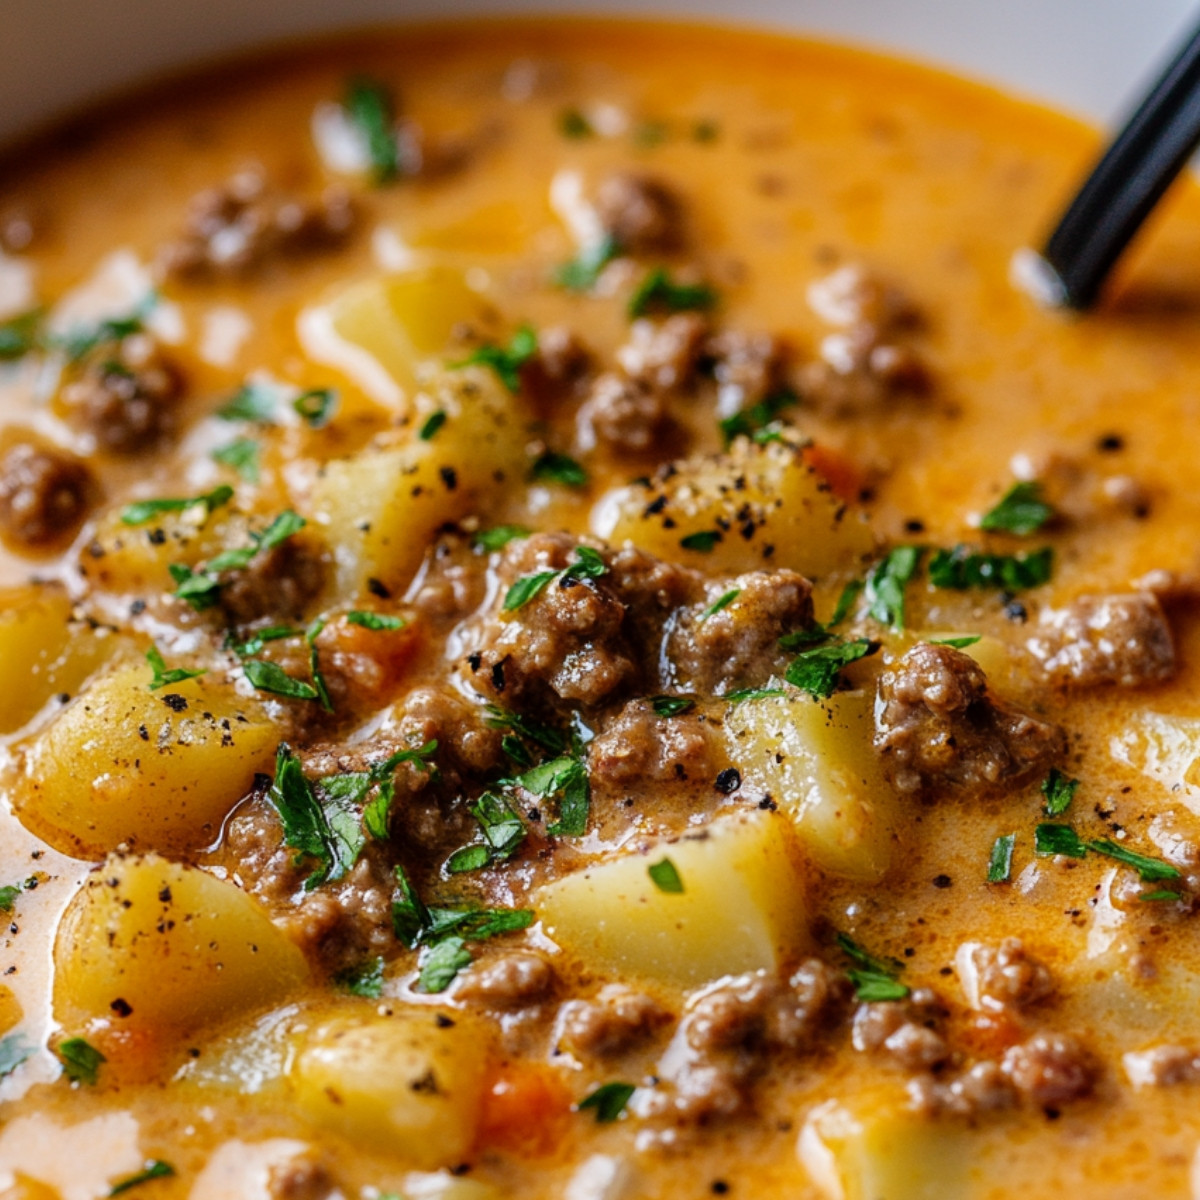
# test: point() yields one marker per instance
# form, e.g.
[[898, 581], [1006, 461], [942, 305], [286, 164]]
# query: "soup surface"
[[570, 634]]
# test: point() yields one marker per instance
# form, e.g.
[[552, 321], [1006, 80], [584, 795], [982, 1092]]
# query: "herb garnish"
[[582, 272], [241, 455], [8, 896], [162, 677], [1049, 838], [671, 706], [80, 1061], [587, 565], [255, 643], [608, 1101], [1000, 862], [704, 541], [723, 602], [369, 105], [14, 1050], [558, 468], [573, 124], [1021, 510], [665, 876], [376, 621], [82, 341], [963, 568], [270, 677], [364, 980], [498, 537], [657, 293], [817, 670], [957, 643], [873, 978], [543, 735], [567, 778], [505, 361], [1151, 870], [254, 402], [1059, 791], [441, 963], [316, 406], [503, 833], [155, 1168], [143, 511], [884, 589], [431, 425], [759, 420], [19, 335]]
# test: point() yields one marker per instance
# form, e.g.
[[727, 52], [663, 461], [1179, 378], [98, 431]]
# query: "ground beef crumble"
[[44, 494]]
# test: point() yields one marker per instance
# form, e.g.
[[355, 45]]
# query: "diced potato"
[[403, 1084], [384, 332], [42, 654], [157, 770], [815, 759], [180, 947], [1165, 748], [878, 1150], [743, 905], [765, 505], [10, 1010], [382, 506]]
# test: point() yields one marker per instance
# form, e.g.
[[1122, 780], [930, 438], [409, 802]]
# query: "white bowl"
[[1086, 55]]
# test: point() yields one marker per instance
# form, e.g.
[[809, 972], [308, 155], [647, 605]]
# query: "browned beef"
[[516, 979], [1008, 977], [642, 214], [1163, 1066], [746, 366], [1051, 1069], [622, 414], [44, 494], [278, 584], [617, 1020], [939, 729], [640, 748], [664, 355], [1123, 639], [902, 1030], [983, 1088]]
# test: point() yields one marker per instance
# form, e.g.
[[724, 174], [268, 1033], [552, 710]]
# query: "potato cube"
[[742, 907], [157, 770], [815, 759], [180, 948], [753, 507], [878, 1150], [382, 506], [403, 1084]]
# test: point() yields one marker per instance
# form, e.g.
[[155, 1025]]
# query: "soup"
[[569, 633]]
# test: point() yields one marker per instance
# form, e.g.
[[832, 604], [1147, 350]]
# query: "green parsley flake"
[[535, 731], [1059, 791], [375, 621], [583, 271], [142, 512], [155, 1168], [665, 876], [364, 980], [587, 565], [574, 125], [671, 706], [1050, 838], [505, 361], [758, 418], [8, 896], [724, 602], [1162, 894], [270, 677], [1150, 870], [368, 104], [83, 340], [884, 590], [14, 1050], [1021, 510], [957, 643], [846, 601], [441, 963], [566, 778], [873, 978], [162, 677], [608, 1101], [817, 671], [1000, 862], [81, 1062], [553, 467], [431, 425], [658, 294], [253, 402], [498, 537], [703, 542], [20, 335], [468, 858], [316, 406], [241, 455], [962, 568], [255, 643]]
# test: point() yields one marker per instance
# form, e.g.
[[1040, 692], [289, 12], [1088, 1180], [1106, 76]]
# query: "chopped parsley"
[[376, 621], [1150, 870], [658, 294], [1160, 894], [162, 677], [1050, 838], [314, 663], [846, 601], [1021, 510], [364, 980], [671, 706], [583, 271], [81, 1061], [254, 402], [963, 568], [19, 335], [541, 734], [503, 833], [498, 537], [241, 455], [703, 542], [8, 896], [255, 643], [431, 425], [316, 406], [155, 1168], [723, 602], [566, 778], [368, 104], [558, 468], [440, 964], [665, 876], [1059, 791], [817, 670], [506, 361], [884, 589], [759, 420], [82, 341], [608, 1101], [1000, 862], [331, 839], [573, 124], [468, 858], [957, 643], [270, 677], [873, 978], [587, 565], [14, 1050], [142, 512]]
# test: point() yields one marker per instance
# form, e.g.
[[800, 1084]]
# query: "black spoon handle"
[[1128, 181]]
